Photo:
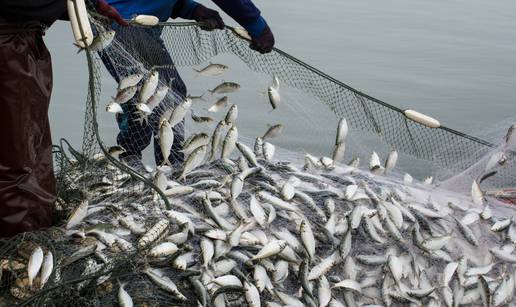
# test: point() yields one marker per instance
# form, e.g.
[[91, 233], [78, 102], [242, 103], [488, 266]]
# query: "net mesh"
[[126, 207]]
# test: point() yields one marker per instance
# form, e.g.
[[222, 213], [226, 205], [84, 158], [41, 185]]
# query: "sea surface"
[[454, 60]]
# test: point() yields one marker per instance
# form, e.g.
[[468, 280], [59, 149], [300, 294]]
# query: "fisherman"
[[146, 45], [27, 183]]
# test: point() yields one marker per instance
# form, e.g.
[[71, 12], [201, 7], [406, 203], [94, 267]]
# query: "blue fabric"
[[159, 8], [242, 11], [256, 27]]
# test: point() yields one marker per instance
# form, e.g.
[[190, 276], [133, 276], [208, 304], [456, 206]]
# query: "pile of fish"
[[245, 228]]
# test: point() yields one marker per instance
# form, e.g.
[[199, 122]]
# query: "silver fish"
[[216, 138], [212, 70], [220, 104], [78, 215], [124, 95], [102, 41], [194, 160], [273, 131], [274, 97], [231, 115], [149, 86], [124, 299], [166, 139], [179, 112], [200, 119], [225, 87], [35, 262], [229, 142], [114, 107], [130, 81], [159, 95]]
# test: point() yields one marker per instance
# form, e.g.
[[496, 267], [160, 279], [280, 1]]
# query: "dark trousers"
[[145, 46], [27, 183]]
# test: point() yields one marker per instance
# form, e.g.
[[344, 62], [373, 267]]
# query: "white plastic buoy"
[[145, 20], [422, 119], [79, 18]]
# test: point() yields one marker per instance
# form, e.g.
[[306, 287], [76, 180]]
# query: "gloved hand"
[[264, 42], [104, 9], [208, 19]]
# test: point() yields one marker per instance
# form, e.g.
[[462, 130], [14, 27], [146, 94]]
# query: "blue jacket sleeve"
[[184, 9], [245, 13]]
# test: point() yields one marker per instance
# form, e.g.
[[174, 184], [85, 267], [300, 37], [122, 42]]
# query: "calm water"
[[453, 60]]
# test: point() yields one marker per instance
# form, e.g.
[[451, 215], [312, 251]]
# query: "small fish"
[[46, 268], [194, 160], [102, 41], [252, 295], [198, 140], [159, 95], [196, 98], [179, 112], [166, 139], [270, 249], [77, 215], [219, 104], [391, 160], [165, 283], [275, 83], [35, 262], [273, 131], [342, 131], [143, 108], [258, 147], [216, 138], [510, 137], [476, 194], [231, 115], [163, 249], [124, 299], [149, 86], [116, 150], [229, 142], [200, 119], [338, 152], [124, 95], [160, 179], [274, 97], [268, 150], [114, 107], [407, 179], [211, 70], [248, 154], [374, 161], [225, 87], [129, 81]]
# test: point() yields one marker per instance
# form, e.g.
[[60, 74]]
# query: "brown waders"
[[27, 183]]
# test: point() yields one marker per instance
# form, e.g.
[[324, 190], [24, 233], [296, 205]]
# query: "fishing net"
[[128, 215]]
